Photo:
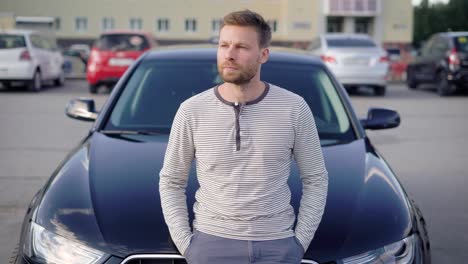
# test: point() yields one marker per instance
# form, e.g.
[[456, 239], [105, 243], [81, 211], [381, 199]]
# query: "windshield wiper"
[[129, 132]]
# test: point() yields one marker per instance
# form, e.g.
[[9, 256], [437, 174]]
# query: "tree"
[[439, 17]]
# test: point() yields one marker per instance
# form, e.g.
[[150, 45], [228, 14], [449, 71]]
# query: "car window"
[[461, 43], [315, 44], [426, 49], [350, 42], [155, 91], [439, 47], [37, 41], [122, 42], [12, 41]]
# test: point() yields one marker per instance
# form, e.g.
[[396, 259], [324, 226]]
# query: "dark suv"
[[443, 60]]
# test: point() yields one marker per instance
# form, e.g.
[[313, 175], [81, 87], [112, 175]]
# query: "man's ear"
[[265, 54]]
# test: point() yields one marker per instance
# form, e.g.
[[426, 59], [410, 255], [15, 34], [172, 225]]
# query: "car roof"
[[346, 35], [20, 31], [208, 52], [126, 31], [454, 34]]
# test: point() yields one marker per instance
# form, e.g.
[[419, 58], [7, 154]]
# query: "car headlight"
[[43, 246], [401, 252]]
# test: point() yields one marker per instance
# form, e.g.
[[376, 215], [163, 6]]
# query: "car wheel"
[[444, 87], [93, 88], [60, 81], [35, 85], [380, 90], [411, 80], [6, 85]]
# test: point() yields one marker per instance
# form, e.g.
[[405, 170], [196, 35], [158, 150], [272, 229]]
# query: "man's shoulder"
[[285, 94], [199, 99]]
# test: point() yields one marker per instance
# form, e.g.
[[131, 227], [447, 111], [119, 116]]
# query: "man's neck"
[[241, 93]]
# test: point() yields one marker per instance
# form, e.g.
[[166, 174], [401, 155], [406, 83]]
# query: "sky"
[[416, 2]]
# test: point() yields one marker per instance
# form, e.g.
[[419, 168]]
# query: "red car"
[[112, 53]]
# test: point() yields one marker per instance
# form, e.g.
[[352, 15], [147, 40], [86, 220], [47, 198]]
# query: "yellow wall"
[[7, 20], [397, 21], [298, 20]]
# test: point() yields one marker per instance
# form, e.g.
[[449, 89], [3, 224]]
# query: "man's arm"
[[308, 154], [173, 180]]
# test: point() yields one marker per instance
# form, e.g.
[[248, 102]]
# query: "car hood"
[[105, 195]]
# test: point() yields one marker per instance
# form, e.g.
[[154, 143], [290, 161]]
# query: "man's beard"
[[243, 76]]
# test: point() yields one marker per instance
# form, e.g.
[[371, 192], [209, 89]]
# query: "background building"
[[294, 22]]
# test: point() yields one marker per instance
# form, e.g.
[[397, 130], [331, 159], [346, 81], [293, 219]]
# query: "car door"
[[420, 68], [54, 57], [40, 54], [438, 52]]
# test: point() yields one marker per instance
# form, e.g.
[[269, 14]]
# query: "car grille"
[[157, 261], [173, 259], [364, 61]]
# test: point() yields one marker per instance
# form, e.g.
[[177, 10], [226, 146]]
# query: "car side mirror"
[[82, 109], [381, 118]]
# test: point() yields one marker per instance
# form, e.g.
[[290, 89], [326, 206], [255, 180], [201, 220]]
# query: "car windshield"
[[122, 42], [461, 43], [156, 88], [350, 43], [12, 41]]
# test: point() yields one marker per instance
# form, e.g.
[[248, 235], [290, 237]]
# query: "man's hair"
[[249, 18]]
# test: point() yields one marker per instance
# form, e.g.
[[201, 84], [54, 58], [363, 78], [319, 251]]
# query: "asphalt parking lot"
[[428, 152]]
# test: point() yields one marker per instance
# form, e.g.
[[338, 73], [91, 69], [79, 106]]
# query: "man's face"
[[239, 54]]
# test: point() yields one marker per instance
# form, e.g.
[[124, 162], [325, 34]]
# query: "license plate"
[[356, 61], [120, 62]]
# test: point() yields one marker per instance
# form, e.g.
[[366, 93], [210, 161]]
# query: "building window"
[[334, 24], [216, 25], [353, 7], [359, 5], [190, 25], [108, 23], [362, 25], [334, 5], [273, 25], [81, 24], [136, 23], [58, 25], [162, 24], [347, 5], [372, 5]]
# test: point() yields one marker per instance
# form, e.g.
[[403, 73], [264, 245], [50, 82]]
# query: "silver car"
[[355, 59], [31, 58]]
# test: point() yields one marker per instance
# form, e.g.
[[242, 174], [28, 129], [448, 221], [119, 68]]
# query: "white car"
[[355, 59], [29, 57]]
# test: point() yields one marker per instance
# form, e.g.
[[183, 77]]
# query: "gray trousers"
[[209, 249]]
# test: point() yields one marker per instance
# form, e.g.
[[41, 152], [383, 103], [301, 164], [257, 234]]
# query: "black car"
[[443, 60], [102, 205]]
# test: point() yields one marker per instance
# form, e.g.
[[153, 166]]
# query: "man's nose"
[[230, 54]]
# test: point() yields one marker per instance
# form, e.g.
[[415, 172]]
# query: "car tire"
[[380, 90], [6, 85], [444, 87], [411, 80], [35, 85], [93, 88], [60, 81]]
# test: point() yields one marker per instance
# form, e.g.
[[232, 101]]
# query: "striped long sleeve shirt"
[[243, 155]]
